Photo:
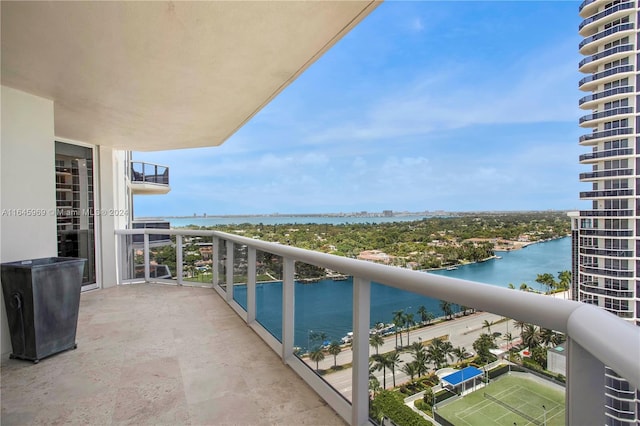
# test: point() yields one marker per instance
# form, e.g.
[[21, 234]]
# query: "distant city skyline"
[[424, 106]]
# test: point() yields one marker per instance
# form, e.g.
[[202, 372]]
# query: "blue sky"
[[457, 106]]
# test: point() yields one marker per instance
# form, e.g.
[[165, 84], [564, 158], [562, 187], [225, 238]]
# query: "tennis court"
[[510, 400]]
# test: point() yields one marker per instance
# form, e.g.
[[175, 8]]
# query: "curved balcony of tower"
[[590, 7], [601, 174], [591, 101], [593, 157], [592, 120], [590, 25], [604, 135], [590, 45], [590, 63], [592, 81]]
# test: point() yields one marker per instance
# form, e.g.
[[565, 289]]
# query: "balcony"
[[594, 156], [590, 64], [587, 102], [606, 213], [586, 50], [586, 26], [147, 178], [605, 134], [594, 119], [607, 193], [235, 262], [157, 354], [591, 81], [605, 173]]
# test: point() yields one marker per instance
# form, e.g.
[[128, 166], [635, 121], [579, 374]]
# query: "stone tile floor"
[[158, 354]]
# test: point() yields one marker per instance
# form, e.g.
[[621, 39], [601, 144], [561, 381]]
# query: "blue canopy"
[[462, 376]]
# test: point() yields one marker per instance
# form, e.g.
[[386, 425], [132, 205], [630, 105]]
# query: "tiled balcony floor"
[[157, 354]]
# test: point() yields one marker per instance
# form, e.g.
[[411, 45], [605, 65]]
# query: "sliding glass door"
[[75, 206]]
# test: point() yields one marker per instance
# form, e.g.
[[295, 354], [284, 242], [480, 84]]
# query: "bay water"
[[325, 307]]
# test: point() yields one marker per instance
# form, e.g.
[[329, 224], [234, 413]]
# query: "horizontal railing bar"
[[544, 311]]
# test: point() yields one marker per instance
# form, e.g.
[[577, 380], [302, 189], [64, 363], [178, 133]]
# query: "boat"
[[451, 268]]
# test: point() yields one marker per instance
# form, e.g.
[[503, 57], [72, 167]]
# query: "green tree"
[[410, 369], [564, 278], [334, 349], [487, 324], [381, 362], [316, 355], [398, 321], [446, 308], [524, 287], [424, 314], [393, 362], [482, 346], [459, 352], [376, 341], [410, 322], [435, 353], [530, 336], [547, 280]]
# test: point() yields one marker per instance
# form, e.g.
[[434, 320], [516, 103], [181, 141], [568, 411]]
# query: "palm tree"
[[393, 359], [531, 336], [524, 287], [547, 336], [487, 324], [565, 279], [459, 352], [419, 358], [334, 349], [435, 353], [547, 280], [317, 355], [446, 308], [410, 369], [380, 363], [410, 322], [398, 321], [447, 350], [520, 325], [424, 314], [376, 341]]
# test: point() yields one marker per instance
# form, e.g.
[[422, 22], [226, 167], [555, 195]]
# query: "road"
[[462, 331]]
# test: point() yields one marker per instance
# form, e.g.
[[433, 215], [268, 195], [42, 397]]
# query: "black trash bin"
[[42, 299]]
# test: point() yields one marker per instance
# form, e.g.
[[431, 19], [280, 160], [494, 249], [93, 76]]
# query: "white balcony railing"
[[595, 338]]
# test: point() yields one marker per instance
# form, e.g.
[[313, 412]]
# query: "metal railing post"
[[147, 273], [360, 345], [229, 293], [288, 307], [251, 285], [215, 266], [179, 266], [585, 387]]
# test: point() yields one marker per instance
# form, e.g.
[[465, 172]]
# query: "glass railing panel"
[[221, 259], [132, 263], [323, 324], [162, 260], [240, 273], [197, 261]]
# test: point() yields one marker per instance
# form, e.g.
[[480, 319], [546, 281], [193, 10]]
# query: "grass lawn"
[[520, 402]]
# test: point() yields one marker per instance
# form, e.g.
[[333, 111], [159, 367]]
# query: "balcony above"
[[593, 157], [589, 46], [157, 354], [592, 120], [590, 25], [590, 7], [591, 101], [604, 135], [147, 178]]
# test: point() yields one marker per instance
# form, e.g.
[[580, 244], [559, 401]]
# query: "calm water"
[[325, 306], [178, 222]]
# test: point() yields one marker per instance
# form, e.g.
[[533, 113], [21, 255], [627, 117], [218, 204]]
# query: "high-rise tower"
[[607, 237]]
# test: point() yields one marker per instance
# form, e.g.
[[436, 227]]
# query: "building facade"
[[606, 237]]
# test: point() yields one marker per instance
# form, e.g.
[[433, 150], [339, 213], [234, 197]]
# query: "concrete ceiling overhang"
[[150, 76]]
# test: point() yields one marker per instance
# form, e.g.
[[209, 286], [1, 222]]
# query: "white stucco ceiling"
[[164, 75]]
